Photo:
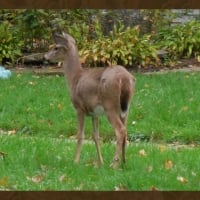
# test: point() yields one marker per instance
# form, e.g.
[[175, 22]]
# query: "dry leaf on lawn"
[[3, 154], [162, 148], [12, 132], [32, 83], [153, 188], [168, 164], [36, 178], [142, 152], [133, 123], [182, 179], [62, 178], [120, 188], [3, 181]]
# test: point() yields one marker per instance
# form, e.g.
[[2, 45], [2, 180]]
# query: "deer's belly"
[[98, 110]]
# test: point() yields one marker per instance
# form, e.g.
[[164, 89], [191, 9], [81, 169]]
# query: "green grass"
[[165, 107], [33, 163], [38, 154]]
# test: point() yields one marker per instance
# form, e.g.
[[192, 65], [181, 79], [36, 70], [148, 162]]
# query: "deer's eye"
[[56, 48]]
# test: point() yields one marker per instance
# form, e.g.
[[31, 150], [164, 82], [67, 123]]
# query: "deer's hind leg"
[[120, 131], [124, 121]]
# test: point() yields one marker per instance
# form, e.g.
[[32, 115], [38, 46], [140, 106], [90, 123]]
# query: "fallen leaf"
[[3, 181], [120, 188], [80, 187], [36, 178], [133, 123], [62, 178], [153, 188], [32, 83], [12, 132], [168, 164], [3, 154], [182, 179], [142, 152], [60, 106], [162, 148]]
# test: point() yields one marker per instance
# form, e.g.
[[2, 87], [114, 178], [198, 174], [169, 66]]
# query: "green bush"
[[10, 45], [34, 29], [80, 32], [181, 40], [27, 31], [124, 46]]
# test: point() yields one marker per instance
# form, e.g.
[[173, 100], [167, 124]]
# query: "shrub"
[[181, 40], [10, 46], [80, 32], [122, 46], [34, 29]]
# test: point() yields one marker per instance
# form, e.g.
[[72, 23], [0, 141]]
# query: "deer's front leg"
[[80, 135]]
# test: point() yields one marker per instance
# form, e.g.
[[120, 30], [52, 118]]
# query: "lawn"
[[38, 124]]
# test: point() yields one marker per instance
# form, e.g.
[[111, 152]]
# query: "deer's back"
[[94, 85]]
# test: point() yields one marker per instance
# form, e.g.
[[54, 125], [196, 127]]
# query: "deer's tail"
[[127, 87]]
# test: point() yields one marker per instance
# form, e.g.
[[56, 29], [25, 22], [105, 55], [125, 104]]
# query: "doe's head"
[[59, 50]]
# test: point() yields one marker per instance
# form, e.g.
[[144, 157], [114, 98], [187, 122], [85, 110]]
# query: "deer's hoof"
[[115, 164]]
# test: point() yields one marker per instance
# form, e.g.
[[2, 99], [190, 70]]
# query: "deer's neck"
[[72, 66]]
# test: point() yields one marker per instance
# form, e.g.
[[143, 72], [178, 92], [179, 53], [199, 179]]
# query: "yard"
[[38, 127]]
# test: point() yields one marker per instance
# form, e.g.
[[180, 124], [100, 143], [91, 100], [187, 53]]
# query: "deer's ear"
[[65, 35], [68, 37], [59, 39]]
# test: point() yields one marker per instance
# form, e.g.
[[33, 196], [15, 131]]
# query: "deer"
[[93, 92]]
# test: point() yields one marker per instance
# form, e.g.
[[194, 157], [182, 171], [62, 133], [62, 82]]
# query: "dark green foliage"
[[10, 45], [182, 40], [104, 37], [125, 46], [165, 107], [34, 29], [156, 19]]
